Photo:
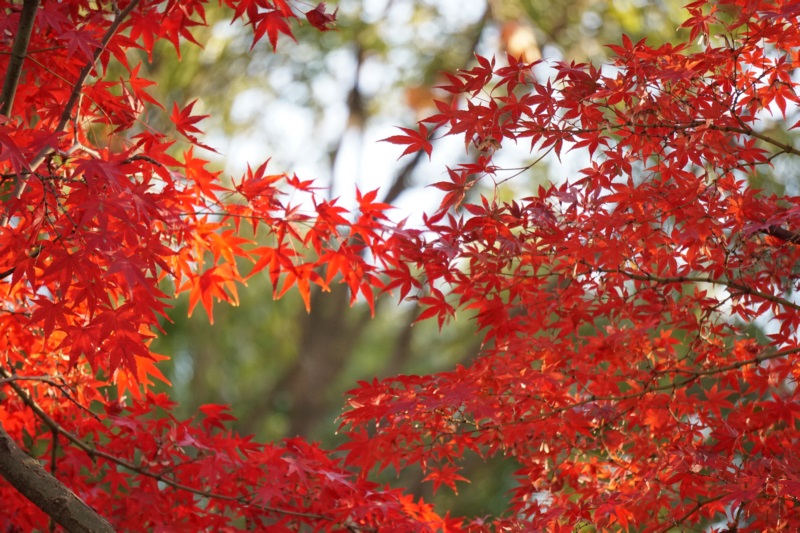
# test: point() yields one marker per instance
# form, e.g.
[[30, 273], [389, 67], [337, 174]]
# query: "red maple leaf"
[[185, 123], [272, 23], [320, 19], [415, 139]]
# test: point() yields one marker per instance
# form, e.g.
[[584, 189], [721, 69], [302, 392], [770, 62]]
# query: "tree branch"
[[87, 68], [53, 468], [402, 180], [782, 234], [677, 522], [73, 98], [26, 475], [743, 289], [95, 452], [692, 376], [18, 52]]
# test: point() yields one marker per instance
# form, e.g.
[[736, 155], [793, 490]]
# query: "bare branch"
[[18, 52], [783, 234]]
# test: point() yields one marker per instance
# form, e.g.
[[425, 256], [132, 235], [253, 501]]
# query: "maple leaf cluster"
[[100, 213], [618, 368]]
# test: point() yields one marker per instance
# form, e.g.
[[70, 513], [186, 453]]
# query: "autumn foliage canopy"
[[620, 368]]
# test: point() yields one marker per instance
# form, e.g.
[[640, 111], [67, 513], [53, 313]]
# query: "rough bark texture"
[[26, 475]]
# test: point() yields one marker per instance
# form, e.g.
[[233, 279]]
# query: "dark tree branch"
[[783, 234], [18, 52], [53, 468], [26, 475], [356, 115], [403, 179], [77, 87], [43, 489], [5, 273]]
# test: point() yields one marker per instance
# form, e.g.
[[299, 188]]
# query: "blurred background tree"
[[318, 108]]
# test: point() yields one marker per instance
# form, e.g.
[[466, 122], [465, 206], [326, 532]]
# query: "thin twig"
[[744, 289], [49, 380], [690, 512]]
